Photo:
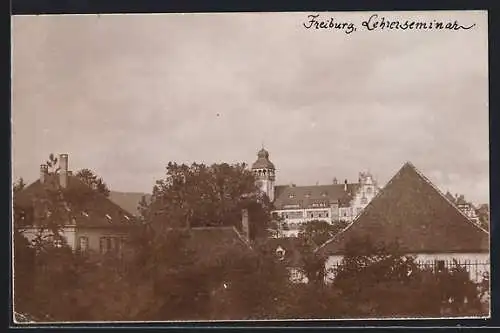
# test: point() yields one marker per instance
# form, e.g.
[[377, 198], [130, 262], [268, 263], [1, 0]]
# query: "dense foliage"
[[93, 181], [199, 195], [157, 279], [158, 276]]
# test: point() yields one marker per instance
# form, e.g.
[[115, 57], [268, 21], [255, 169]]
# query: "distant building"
[[88, 220], [411, 211], [297, 205], [468, 209]]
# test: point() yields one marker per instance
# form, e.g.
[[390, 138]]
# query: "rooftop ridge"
[[370, 205], [444, 196]]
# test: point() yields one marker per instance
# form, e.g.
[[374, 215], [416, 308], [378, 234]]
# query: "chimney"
[[44, 170], [63, 170], [345, 185], [245, 226]]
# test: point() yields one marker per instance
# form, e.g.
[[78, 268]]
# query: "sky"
[[125, 94]]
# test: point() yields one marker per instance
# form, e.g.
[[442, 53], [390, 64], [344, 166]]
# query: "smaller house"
[[412, 212], [86, 219]]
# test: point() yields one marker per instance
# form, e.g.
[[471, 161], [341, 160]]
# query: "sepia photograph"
[[204, 167]]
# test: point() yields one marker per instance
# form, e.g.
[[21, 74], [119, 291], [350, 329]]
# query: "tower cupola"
[[264, 172]]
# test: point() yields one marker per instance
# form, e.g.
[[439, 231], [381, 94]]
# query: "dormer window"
[[280, 253], [291, 195], [126, 217], [85, 214], [108, 217]]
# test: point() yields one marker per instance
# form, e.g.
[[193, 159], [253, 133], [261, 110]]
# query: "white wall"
[[477, 260], [475, 271], [69, 233]]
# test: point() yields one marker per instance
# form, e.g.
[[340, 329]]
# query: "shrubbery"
[[160, 281]]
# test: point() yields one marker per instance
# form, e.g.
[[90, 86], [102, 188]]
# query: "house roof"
[[83, 205], [317, 196], [212, 243], [411, 211]]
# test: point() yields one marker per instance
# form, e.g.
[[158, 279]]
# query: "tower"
[[264, 171]]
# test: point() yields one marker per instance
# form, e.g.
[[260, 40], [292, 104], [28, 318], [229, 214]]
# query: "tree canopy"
[[93, 181], [200, 195]]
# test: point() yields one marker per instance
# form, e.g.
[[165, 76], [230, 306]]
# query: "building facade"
[[61, 208], [297, 205], [413, 213]]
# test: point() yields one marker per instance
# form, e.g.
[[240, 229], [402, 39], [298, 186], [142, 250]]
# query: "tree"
[[200, 195], [19, 185], [52, 163], [378, 280], [253, 285], [483, 213], [318, 231], [93, 181]]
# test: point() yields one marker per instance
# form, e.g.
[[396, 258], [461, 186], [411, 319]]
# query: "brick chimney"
[[44, 171], [63, 170], [245, 225], [345, 185]]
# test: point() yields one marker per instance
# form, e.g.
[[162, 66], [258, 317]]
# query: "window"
[[108, 244], [326, 215], [369, 190], [102, 245], [83, 243], [364, 201]]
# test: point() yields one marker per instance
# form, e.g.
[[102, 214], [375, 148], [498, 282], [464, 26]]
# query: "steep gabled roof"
[[84, 206], [411, 211], [313, 196]]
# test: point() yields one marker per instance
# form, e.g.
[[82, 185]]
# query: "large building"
[[296, 205], [413, 213], [86, 219]]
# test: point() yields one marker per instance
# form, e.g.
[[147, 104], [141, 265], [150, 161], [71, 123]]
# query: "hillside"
[[128, 200]]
